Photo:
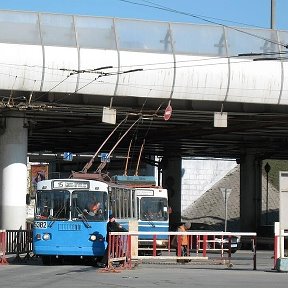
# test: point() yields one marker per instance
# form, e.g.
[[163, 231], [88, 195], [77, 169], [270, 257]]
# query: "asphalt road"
[[31, 273]]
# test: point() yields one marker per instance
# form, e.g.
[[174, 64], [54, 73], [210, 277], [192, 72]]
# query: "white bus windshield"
[[85, 205], [153, 208]]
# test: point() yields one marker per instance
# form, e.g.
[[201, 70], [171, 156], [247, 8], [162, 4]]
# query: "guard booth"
[[281, 228]]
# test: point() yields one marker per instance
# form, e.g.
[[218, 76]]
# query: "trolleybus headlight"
[[46, 236], [93, 237], [96, 237]]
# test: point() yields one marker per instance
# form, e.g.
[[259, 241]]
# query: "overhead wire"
[[207, 58], [75, 72], [165, 62], [155, 89], [165, 8], [153, 69], [144, 138], [101, 74]]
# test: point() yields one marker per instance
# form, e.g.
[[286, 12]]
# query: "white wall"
[[199, 175]]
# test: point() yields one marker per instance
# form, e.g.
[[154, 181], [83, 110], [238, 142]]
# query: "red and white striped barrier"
[[3, 259], [119, 249], [198, 244]]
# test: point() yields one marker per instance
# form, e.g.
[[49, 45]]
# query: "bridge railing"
[[153, 36]]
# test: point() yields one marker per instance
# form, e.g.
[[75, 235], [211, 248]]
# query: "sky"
[[241, 13]]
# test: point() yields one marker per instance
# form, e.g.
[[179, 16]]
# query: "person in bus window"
[[46, 212], [95, 211]]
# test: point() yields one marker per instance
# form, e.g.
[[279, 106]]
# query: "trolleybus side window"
[[134, 205], [122, 203]]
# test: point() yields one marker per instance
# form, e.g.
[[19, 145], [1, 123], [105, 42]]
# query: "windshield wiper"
[[82, 217], [149, 220], [56, 216]]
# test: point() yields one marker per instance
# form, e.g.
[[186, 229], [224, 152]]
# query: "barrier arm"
[[201, 245]]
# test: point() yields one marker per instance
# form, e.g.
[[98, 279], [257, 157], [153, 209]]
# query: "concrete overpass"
[[57, 72]]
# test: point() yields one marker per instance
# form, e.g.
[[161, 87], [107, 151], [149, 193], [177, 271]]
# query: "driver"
[[95, 210]]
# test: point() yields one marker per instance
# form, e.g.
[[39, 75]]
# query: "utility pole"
[[273, 11]]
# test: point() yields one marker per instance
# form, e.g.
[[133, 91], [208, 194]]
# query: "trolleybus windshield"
[[153, 208], [53, 205], [90, 205]]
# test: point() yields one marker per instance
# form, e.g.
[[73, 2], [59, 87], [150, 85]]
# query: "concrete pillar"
[[250, 192], [13, 172], [171, 180]]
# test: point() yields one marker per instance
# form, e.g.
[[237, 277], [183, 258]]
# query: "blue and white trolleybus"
[[71, 217]]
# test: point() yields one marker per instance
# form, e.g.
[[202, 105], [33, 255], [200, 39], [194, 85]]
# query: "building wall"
[[199, 175]]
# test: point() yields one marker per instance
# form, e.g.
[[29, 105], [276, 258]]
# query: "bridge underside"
[[68, 124]]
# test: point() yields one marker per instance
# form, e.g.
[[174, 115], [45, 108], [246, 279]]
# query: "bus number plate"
[[40, 224]]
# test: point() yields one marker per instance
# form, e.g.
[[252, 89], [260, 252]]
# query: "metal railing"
[[198, 245], [19, 242]]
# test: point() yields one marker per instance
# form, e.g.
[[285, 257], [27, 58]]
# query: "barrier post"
[[222, 247], [189, 246], [229, 251], [154, 246], [18, 245], [110, 243], [169, 245], [276, 243], [205, 237], [254, 252], [133, 227], [197, 244], [3, 259], [179, 242], [128, 252]]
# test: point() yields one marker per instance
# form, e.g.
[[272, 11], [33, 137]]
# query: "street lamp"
[[267, 168]]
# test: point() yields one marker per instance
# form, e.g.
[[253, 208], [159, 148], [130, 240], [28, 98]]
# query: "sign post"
[[226, 193]]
